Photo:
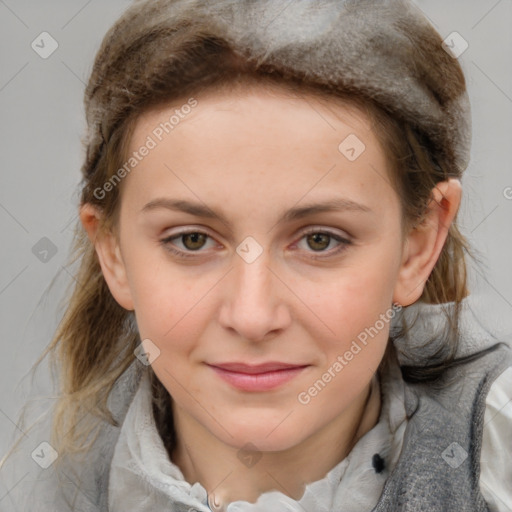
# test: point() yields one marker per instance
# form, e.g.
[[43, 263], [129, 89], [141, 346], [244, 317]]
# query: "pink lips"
[[262, 377]]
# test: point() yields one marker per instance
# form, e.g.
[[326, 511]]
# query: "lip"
[[256, 368], [261, 377]]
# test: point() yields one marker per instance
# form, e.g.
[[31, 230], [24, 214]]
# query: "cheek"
[[358, 309], [168, 307], [164, 299], [353, 298]]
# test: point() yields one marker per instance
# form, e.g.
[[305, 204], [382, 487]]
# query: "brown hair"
[[147, 59]]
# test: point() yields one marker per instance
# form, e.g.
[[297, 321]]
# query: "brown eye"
[[324, 243], [318, 241], [188, 243], [194, 241]]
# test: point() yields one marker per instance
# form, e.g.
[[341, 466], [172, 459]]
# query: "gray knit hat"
[[384, 50]]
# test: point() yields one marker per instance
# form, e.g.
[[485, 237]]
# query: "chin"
[[262, 437]]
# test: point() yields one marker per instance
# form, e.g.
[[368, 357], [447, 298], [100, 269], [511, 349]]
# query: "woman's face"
[[260, 229]]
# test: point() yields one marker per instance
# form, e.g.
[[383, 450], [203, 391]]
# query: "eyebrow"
[[295, 213]]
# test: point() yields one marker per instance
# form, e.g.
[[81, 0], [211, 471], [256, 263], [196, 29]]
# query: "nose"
[[253, 304]]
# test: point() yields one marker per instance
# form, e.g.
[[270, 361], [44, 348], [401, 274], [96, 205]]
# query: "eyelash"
[[344, 243]]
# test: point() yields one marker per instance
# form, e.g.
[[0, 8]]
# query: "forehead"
[[258, 142], [256, 104]]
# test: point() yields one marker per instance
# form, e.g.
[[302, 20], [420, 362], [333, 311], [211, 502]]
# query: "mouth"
[[261, 377]]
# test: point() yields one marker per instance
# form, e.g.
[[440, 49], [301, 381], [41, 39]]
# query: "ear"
[[109, 255], [424, 242]]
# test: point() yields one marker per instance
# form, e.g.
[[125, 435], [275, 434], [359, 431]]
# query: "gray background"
[[42, 122]]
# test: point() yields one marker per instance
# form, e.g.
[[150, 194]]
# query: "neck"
[[204, 458]]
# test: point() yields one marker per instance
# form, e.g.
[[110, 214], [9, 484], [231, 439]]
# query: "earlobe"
[[109, 255], [424, 242]]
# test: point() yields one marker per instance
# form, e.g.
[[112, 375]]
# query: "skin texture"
[[251, 155]]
